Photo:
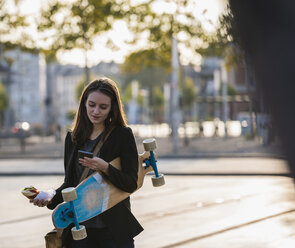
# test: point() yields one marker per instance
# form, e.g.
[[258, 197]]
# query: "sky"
[[120, 33]]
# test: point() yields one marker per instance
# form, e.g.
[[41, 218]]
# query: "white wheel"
[[149, 144], [69, 194], [158, 181], [79, 234]]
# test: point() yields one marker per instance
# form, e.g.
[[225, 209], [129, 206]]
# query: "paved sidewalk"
[[198, 147]]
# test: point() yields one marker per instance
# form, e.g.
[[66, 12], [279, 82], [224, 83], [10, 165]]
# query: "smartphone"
[[83, 154]]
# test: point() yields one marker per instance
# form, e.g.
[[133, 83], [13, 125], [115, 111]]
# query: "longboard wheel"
[[80, 233], [158, 181], [69, 194], [149, 144]]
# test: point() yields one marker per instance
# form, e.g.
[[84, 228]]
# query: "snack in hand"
[[30, 192]]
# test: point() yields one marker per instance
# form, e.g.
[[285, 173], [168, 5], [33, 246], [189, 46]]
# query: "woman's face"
[[98, 106]]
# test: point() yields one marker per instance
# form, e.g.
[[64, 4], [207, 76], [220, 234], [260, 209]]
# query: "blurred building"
[[207, 89], [43, 95], [243, 83], [63, 81], [25, 82], [211, 97]]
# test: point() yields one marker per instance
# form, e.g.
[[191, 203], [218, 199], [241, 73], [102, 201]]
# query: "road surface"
[[203, 210]]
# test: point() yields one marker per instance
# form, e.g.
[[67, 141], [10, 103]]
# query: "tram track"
[[227, 229]]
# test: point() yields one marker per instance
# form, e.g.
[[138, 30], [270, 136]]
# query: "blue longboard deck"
[[89, 203], [59, 221], [94, 196]]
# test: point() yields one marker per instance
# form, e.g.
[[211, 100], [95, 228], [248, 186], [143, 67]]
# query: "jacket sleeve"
[[58, 196], [125, 179]]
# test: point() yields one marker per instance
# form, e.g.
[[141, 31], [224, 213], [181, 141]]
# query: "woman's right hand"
[[147, 155], [43, 198]]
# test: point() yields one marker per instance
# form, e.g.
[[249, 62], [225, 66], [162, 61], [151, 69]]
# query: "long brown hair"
[[82, 126]]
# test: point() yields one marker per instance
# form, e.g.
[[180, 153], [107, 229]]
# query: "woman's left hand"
[[96, 164]]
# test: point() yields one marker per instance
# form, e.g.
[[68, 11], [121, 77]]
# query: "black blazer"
[[120, 143]]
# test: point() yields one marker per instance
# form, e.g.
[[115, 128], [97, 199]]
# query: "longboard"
[[96, 194]]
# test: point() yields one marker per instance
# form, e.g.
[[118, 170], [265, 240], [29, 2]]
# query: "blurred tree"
[[231, 90], [187, 99], [79, 89], [3, 103], [148, 78], [14, 28], [223, 42], [147, 67], [157, 106], [157, 27], [151, 65], [66, 25], [127, 94], [71, 115], [189, 93]]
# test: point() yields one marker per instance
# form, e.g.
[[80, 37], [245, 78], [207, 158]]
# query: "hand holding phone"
[[83, 154], [96, 164]]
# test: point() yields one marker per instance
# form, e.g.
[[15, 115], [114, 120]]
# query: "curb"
[[25, 174], [221, 155], [3, 157], [165, 156]]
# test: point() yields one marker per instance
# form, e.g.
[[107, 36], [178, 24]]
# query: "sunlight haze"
[[207, 12]]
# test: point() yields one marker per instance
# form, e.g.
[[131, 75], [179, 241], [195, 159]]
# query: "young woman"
[[100, 110]]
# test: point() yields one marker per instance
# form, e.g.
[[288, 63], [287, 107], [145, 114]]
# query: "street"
[[209, 208]]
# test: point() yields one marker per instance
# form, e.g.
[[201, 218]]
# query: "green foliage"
[[67, 25], [223, 42], [71, 115], [158, 102], [148, 72], [148, 77], [3, 98], [189, 93], [158, 30], [140, 100], [75, 24], [151, 66], [13, 22], [215, 43], [231, 90], [79, 89], [139, 60], [127, 95]]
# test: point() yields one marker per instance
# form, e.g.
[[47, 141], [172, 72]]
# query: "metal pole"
[[250, 98], [174, 95], [216, 81], [224, 81], [225, 105]]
